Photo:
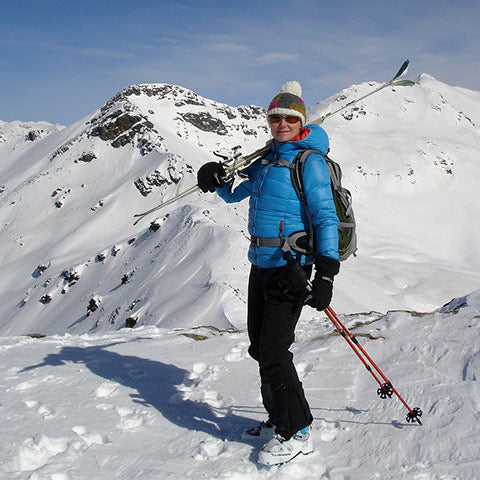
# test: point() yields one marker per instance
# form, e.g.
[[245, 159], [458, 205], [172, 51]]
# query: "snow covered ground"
[[154, 403], [91, 399]]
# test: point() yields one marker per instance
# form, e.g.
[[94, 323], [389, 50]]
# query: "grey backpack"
[[347, 235]]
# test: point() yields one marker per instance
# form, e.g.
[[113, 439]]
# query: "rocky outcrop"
[[119, 128], [205, 122]]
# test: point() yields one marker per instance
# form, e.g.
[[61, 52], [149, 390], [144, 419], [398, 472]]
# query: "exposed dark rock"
[[100, 203], [142, 187], [120, 129], [161, 91], [71, 276], [126, 277], [60, 201], [134, 304], [100, 257], [40, 269], [154, 226], [355, 112], [251, 112], [62, 149], [195, 336], [114, 315], [93, 305], [87, 157], [45, 299], [32, 135], [205, 122], [130, 322]]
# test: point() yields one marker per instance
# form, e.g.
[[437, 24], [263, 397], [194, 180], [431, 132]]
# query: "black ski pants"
[[272, 317]]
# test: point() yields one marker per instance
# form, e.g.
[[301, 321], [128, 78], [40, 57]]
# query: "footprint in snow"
[[131, 418], [237, 353], [472, 368], [35, 453], [89, 438], [210, 448], [24, 386], [42, 410], [200, 372], [212, 398], [327, 431], [193, 388], [106, 389], [134, 371]]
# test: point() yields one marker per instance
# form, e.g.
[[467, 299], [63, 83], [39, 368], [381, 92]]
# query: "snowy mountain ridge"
[[72, 261]]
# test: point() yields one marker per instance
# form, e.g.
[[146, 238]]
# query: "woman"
[[276, 290]]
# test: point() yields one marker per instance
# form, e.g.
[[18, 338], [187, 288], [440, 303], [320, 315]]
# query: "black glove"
[[295, 280], [322, 286], [210, 176], [287, 283]]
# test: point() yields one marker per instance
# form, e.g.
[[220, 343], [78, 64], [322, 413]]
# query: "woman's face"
[[284, 127]]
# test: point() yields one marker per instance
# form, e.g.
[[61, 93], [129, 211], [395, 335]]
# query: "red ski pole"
[[386, 389]]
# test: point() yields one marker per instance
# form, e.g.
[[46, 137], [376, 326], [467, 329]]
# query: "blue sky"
[[61, 60]]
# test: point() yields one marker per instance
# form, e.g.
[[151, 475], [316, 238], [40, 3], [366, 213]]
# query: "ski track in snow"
[[151, 403]]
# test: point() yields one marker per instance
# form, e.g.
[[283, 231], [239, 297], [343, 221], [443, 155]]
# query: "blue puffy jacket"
[[275, 208]]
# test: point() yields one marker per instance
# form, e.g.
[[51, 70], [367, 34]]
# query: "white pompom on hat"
[[292, 87], [289, 102]]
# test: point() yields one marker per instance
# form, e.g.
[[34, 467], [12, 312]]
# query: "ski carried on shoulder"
[[235, 162], [393, 82]]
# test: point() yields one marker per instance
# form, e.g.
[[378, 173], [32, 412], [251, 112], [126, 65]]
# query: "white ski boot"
[[278, 450], [262, 431]]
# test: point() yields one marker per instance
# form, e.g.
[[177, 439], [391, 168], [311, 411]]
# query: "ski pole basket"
[[386, 389]]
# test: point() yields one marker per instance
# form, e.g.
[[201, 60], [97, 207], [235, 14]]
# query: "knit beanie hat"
[[289, 102]]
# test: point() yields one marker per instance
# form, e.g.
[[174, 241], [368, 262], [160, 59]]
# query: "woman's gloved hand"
[[322, 285], [210, 176]]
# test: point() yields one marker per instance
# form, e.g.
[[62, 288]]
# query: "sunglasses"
[[274, 119]]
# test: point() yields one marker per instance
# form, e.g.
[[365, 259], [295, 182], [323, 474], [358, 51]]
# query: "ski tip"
[[403, 69]]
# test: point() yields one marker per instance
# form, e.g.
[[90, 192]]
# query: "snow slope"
[[168, 403], [72, 261]]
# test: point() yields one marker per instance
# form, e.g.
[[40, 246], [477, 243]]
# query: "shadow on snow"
[[155, 384]]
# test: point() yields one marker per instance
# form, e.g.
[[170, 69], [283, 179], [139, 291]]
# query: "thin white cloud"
[[228, 47], [278, 57], [91, 51]]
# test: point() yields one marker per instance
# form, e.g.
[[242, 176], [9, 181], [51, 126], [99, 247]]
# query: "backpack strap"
[[280, 161], [296, 174]]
